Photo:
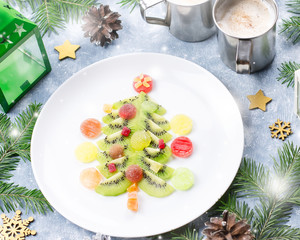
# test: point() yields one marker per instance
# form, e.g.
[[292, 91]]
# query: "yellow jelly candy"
[[181, 124], [86, 152], [107, 108]]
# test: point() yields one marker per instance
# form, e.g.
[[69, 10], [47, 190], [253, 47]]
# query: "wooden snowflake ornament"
[[16, 228], [280, 131]]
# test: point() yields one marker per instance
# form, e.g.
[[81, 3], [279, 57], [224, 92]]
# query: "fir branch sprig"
[[15, 140], [287, 73], [14, 196], [52, 15], [291, 28]]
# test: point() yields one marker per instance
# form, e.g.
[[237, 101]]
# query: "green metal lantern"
[[23, 58]]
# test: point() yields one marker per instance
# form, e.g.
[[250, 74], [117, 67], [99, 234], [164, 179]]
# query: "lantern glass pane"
[[20, 69]]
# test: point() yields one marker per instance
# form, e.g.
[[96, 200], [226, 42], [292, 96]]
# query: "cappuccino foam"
[[245, 18]]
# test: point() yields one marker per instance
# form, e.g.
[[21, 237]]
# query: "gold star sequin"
[[259, 100], [67, 50]]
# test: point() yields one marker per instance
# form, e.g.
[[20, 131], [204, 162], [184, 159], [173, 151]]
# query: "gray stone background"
[[137, 36]]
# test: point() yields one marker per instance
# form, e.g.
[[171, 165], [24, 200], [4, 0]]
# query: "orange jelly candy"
[[133, 188], [132, 203], [90, 178], [90, 128], [132, 195]]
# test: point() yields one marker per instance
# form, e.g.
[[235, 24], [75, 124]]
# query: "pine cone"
[[101, 25], [227, 228]]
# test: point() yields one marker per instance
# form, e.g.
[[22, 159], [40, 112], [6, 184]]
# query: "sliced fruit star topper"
[[143, 83], [134, 151]]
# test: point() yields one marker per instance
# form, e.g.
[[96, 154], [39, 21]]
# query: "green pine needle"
[[8, 164], [293, 6], [270, 214], [240, 208], [189, 234], [13, 196], [284, 233], [286, 168], [291, 28], [52, 15], [129, 4], [287, 72], [251, 179]]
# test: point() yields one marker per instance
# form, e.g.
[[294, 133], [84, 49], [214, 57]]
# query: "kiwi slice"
[[114, 185], [154, 140], [150, 165], [103, 157], [154, 186], [136, 100], [160, 170], [157, 130], [105, 143], [111, 116], [121, 164], [159, 110], [159, 155], [114, 126], [103, 169], [120, 103], [159, 120]]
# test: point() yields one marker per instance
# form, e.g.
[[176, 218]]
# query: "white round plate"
[[182, 87]]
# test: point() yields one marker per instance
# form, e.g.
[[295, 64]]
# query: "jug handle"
[[243, 56], [144, 5], [297, 93]]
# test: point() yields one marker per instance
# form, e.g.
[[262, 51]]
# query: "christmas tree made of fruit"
[[135, 150]]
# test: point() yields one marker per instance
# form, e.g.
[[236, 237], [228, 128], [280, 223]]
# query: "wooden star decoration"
[[16, 228], [259, 100], [67, 50]]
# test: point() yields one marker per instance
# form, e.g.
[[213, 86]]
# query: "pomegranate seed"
[[125, 131], [161, 144], [112, 167]]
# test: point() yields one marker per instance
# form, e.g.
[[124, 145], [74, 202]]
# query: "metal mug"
[[247, 55], [187, 22]]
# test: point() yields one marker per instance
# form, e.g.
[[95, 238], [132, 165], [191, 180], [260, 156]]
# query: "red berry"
[[134, 173], [125, 131], [127, 111], [142, 83], [182, 147], [112, 167], [161, 144]]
